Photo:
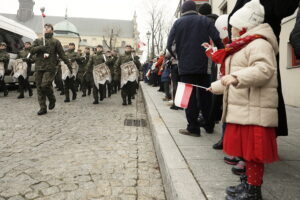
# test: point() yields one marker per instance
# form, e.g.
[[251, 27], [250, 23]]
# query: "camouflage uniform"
[[87, 79], [114, 83], [59, 82], [79, 77], [4, 57], [139, 67], [24, 83], [129, 88], [46, 67], [95, 60], [69, 83]]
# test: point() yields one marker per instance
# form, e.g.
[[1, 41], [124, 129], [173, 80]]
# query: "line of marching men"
[[103, 72]]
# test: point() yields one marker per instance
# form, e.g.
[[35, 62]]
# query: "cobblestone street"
[[79, 151]]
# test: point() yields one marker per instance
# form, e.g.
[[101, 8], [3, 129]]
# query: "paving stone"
[[77, 151]]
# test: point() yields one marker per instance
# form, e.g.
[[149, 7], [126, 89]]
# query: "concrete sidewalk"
[[192, 170]]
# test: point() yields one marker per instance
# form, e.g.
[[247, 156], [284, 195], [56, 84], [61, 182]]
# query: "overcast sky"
[[111, 9]]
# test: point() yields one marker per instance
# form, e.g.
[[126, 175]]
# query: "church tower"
[[25, 11]]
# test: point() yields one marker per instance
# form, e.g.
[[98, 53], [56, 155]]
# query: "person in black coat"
[[295, 36], [275, 11], [189, 33]]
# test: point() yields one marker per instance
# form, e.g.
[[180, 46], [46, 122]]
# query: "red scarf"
[[230, 49]]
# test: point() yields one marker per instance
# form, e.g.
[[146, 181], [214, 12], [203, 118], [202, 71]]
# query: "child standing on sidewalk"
[[250, 96]]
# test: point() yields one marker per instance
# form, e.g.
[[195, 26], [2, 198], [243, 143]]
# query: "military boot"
[[124, 102], [5, 93], [21, 96], [129, 100], [30, 92], [74, 96], [51, 104], [42, 112], [249, 193]]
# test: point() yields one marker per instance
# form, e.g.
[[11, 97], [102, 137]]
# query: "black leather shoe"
[[51, 105], [209, 130], [124, 103], [42, 112], [96, 102], [67, 100], [219, 145], [62, 93], [83, 95], [186, 132], [235, 190]]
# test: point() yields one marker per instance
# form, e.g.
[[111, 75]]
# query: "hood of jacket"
[[266, 31]]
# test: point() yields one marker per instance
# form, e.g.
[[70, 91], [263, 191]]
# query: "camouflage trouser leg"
[[95, 93], [44, 81], [128, 91]]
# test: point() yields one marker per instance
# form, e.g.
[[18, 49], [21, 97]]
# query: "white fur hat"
[[249, 16]]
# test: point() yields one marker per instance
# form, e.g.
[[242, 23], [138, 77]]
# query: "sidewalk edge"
[[179, 182]]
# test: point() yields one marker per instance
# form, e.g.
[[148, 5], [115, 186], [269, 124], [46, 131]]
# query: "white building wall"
[[290, 76]]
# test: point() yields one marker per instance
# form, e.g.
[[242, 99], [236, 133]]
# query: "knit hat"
[[249, 16], [205, 9], [188, 6]]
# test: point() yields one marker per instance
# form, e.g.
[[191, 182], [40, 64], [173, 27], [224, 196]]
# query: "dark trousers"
[[24, 85], [87, 83], [101, 91], [167, 89], [70, 85], [175, 80], [117, 85], [160, 84], [44, 87], [3, 85], [200, 100], [127, 91], [58, 80]]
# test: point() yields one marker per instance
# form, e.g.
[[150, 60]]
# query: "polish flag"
[[183, 94], [141, 44]]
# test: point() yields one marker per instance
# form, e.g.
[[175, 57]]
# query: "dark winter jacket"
[[189, 33], [295, 36]]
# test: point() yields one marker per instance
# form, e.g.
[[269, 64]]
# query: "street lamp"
[[148, 37]]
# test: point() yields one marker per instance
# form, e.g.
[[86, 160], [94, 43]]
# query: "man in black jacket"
[[189, 33]]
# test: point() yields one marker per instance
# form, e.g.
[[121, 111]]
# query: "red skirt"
[[252, 143]]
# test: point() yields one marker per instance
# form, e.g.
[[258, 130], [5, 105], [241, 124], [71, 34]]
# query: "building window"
[[295, 61]]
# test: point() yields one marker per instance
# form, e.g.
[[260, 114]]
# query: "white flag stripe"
[[179, 94]]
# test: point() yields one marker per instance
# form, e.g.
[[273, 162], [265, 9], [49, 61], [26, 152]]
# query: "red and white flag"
[[141, 44], [183, 94]]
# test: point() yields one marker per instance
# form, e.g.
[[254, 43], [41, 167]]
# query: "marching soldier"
[[110, 65], [4, 60], [69, 83], [139, 67], [129, 77], [87, 79], [80, 73], [95, 60], [46, 61], [24, 82], [115, 79]]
